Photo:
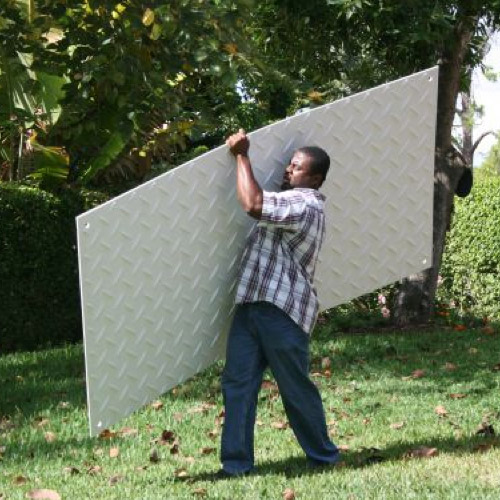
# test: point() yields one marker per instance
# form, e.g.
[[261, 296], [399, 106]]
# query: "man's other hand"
[[238, 143]]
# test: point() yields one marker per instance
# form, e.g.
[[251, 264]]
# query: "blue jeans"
[[263, 335]]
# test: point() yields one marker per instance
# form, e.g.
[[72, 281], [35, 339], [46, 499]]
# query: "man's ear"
[[317, 180]]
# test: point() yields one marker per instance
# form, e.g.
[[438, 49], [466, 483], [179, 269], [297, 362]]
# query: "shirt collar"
[[315, 192]]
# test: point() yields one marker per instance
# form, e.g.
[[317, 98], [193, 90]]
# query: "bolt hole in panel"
[[158, 263]]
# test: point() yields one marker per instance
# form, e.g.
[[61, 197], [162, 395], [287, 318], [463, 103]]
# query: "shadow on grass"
[[34, 382], [447, 356], [299, 466], [470, 356]]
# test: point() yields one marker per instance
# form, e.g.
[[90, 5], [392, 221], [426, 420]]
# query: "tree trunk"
[[415, 299]]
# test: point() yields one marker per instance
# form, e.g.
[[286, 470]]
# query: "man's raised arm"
[[249, 191]]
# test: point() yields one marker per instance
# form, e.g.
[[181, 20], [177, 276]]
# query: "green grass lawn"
[[388, 398]]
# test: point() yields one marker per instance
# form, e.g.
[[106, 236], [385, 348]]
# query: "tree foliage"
[[128, 68]]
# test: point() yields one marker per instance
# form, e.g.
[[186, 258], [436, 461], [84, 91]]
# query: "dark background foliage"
[[39, 294]]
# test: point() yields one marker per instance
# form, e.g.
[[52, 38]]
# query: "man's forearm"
[[249, 191]]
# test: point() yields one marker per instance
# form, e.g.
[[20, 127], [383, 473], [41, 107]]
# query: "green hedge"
[[471, 263], [39, 294]]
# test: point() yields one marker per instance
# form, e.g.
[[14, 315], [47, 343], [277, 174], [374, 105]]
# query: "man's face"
[[298, 175]]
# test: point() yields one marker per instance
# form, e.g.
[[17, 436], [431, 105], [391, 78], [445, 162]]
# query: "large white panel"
[[158, 264]]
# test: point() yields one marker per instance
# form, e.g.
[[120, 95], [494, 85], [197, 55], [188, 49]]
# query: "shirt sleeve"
[[286, 210]]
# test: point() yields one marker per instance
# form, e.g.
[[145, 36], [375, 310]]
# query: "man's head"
[[307, 169]]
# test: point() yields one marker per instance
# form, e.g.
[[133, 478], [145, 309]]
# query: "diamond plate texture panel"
[[158, 264]]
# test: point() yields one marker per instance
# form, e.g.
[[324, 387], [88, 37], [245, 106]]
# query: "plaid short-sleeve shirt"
[[280, 256]]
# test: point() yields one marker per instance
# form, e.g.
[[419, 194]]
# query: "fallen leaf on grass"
[[114, 452], [343, 447], [397, 425], [269, 385], [459, 328], [107, 434], [367, 421], [214, 433], [326, 363], [64, 405], [154, 458], [457, 395], [94, 469], [485, 429], [156, 405], [19, 480], [450, 367], [415, 374], [41, 421], [6, 424], [441, 411], [423, 452], [115, 479], [200, 492], [207, 451], [43, 494], [219, 419], [71, 470], [50, 437], [279, 425], [472, 350], [288, 494], [181, 473], [167, 437]]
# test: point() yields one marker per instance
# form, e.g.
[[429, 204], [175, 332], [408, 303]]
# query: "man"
[[276, 308]]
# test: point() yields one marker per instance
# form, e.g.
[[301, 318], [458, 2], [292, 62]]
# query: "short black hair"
[[320, 161]]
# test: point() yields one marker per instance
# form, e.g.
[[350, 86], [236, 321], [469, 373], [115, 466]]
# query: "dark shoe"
[[316, 464], [222, 474]]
